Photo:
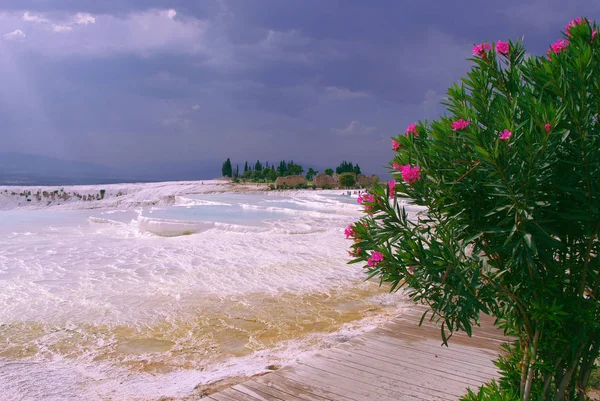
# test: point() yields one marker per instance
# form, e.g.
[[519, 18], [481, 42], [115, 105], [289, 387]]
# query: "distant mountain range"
[[29, 169]]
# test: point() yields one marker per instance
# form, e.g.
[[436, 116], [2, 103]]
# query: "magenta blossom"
[[502, 47], [576, 21], [349, 232], [395, 145], [375, 259], [558, 46], [412, 129], [505, 135], [548, 127], [460, 124], [480, 49], [365, 198], [409, 174], [392, 186]]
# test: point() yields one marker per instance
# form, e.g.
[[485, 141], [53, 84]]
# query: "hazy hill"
[[28, 169]]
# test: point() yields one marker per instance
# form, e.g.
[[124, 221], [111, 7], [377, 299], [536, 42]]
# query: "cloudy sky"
[[317, 81]]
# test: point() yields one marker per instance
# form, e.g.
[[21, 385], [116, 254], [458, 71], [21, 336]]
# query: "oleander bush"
[[509, 185]]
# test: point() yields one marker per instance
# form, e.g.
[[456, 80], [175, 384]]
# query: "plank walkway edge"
[[398, 361]]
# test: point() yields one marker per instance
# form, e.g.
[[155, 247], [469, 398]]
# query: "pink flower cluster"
[[395, 145], [576, 21], [375, 259], [460, 124], [505, 135], [349, 232], [502, 47], [365, 198], [409, 174], [392, 186], [480, 49], [412, 129], [558, 46]]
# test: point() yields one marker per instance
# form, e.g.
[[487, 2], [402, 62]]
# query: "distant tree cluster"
[[347, 167], [265, 172]]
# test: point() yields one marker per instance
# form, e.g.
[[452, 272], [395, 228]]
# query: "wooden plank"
[[348, 389], [486, 329], [421, 378], [302, 390], [257, 394], [393, 383], [238, 396], [358, 385], [340, 392], [221, 396], [478, 357], [406, 374], [486, 334], [419, 357], [410, 327], [271, 390]]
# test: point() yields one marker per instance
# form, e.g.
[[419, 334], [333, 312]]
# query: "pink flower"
[[502, 47], [558, 46], [479, 50], [396, 145], [349, 232], [576, 21], [392, 186], [409, 174], [505, 135], [365, 198], [412, 129], [375, 259], [594, 34], [460, 124], [548, 127]]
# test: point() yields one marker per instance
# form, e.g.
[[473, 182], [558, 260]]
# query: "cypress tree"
[[226, 170]]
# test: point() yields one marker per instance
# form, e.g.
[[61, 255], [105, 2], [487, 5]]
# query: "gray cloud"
[[16, 34], [355, 128], [125, 81], [343, 93]]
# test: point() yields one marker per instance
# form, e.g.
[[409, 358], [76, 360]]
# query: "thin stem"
[[566, 378], [531, 362]]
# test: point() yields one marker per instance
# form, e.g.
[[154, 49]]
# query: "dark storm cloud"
[[319, 81]]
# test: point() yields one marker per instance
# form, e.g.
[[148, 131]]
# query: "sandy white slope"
[[119, 196]]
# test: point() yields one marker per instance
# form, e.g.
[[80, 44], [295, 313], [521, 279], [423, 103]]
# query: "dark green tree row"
[[347, 167], [266, 172]]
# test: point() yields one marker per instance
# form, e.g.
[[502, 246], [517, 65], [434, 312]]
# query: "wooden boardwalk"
[[399, 361]]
